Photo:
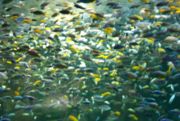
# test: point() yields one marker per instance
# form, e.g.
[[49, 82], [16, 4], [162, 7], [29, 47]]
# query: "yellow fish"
[[108, 30], [39, 31], [72, 118], [145, 1]]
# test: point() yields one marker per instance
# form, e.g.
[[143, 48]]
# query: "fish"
[[118, 46], [86, 1], [160, 74], [8, 9], [37, 12], [114, 5], [54, 14], [146, 1], [174, 111], [72, 118], [158, 92], [33, 52], [134, 6], [4, 119], [175, 76], [6, 1], [43, 5], [96, 16], [136, 17], [29, 97], [79, 6], [165, 119], [171, 99], [162, 3], [1, 89], [65, 11], [4, 25]]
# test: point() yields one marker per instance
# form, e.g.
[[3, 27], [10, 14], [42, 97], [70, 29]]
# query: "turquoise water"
[[97, 61]]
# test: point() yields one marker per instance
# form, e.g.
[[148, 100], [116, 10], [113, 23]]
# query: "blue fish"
[[20, 19], [165, 119]]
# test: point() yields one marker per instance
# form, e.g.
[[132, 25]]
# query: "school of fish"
[[89, 60]]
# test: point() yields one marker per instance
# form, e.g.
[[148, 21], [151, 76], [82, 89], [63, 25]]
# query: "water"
[[107, 62]]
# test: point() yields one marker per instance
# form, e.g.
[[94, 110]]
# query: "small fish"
[[114, 5], [96, 16], [78, 6], [160, 74], [27, 20], [118, 46], [146, 1], [86, 1], [43, 5], [6, 1], [135, 6], [37, 12], [1, 89], [4, 119], [162, 3], [39, 31], [65, 11], [60, 65], [174, 111], [108, 30], [131, 75], [130, 1], [54, 14], [136, 17], [31, 98], [72, 118], [33, 52], [158, 92], [58, 30], [133, 117], [18, 97], [80, 28], [150, 99], [165, 119], [8, 9], [5, 25], [175, 77], [172, 98]]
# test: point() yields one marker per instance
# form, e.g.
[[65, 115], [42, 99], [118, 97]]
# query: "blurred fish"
[[135, 5], [33, 52], [118, 46], [146, 1], [43, 5], [6, 1], [158, 92], [165, 119], [72, 118], [162, 3], [174, 111], [8, 9], [175, 77], [78, 6], [37, 12], [97, 16], [171, 99], [114, 5], [29, 97], [136, 17], [65, 11], [159, 74], [54, 14], [4, 119], [86, 1], [5, 25]]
